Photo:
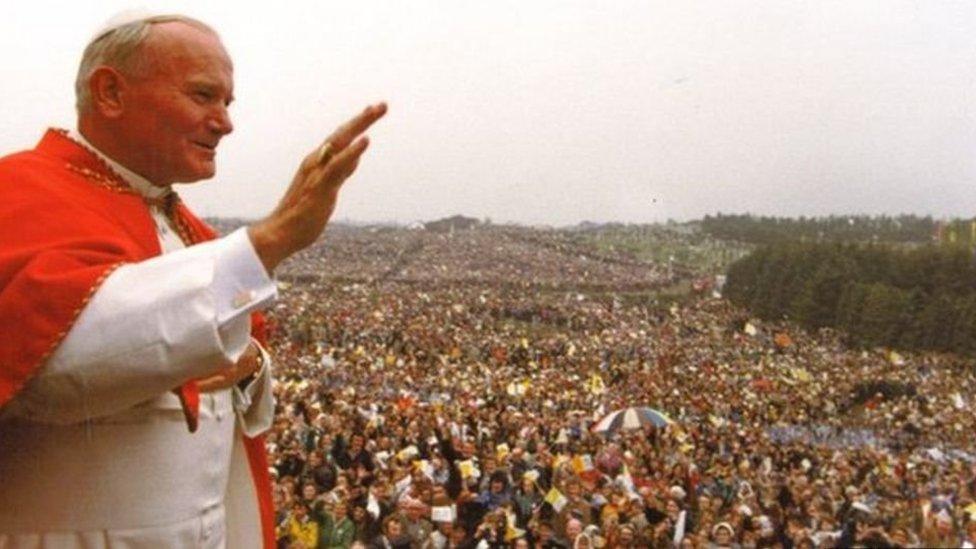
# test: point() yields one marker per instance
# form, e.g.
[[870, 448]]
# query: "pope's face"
[[175, 112]]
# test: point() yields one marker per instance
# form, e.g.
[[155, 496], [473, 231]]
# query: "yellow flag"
[[595, 385], [518, 388], [467, 469], [971, 509], [408, 453], [582, 463], [512, 532], [801, 374], [556, 499]]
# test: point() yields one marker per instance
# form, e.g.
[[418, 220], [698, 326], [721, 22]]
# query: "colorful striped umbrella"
[[631, 418]]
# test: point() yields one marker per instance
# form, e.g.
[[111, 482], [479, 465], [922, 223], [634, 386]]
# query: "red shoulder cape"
[[66, 222]]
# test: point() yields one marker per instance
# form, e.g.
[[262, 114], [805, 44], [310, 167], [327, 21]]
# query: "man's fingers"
[[350, 166], [355, 126], [342, 164], [344, 135]]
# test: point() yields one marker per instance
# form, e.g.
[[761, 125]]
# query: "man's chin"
[[200, 174]]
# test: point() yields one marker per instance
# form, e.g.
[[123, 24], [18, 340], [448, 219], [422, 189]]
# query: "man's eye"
[[202, 96]]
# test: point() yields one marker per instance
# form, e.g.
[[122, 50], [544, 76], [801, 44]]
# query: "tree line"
[[848, 228], [910, 298]]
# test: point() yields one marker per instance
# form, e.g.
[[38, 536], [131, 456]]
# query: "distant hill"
[[451, 224]]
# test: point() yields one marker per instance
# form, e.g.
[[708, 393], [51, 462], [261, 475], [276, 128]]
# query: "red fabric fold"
[[189, 394], [257, 458]]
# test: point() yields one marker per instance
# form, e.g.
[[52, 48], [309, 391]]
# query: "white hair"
[[116, 46]]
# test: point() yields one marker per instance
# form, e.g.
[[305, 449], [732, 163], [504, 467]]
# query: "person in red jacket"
[[133, 384]]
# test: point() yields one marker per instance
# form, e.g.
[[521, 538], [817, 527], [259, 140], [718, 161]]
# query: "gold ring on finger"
[[325, 153]]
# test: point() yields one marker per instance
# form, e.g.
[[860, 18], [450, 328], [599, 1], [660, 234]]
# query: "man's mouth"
[[208, 146]]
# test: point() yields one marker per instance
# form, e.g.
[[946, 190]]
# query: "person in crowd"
[[303, 530], [393, 536], [367, 528], [335, 528]]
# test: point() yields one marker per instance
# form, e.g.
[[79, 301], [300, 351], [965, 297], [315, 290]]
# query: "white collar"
[[138, 183]]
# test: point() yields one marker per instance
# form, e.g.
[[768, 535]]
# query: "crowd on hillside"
[[440, 390]]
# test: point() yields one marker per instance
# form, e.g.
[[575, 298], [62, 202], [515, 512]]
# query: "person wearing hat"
[[133, 387], [723, 537], [593, 536]]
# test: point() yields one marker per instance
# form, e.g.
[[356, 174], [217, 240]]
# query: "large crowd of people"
[[440, 390]]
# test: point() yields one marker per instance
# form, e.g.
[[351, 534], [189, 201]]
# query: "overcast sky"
[[557, 111]]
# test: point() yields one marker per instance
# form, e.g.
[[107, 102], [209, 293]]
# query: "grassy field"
[[684, 246]]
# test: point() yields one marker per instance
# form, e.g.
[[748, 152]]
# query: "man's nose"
[[220, 122]]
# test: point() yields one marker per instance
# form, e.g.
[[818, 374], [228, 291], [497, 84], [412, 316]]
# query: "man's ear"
[[107, 87]]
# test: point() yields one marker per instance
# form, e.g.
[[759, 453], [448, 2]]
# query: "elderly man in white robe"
[[94, 449]]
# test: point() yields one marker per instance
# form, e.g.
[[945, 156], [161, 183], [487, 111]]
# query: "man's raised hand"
[[307, 205]]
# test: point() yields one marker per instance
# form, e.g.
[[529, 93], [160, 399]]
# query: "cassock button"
[[243, 297]]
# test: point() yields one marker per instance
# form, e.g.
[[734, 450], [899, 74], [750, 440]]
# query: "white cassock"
[[95, 451]]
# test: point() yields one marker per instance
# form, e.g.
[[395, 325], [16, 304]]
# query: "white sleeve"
[[150, 327], [254, 404]]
